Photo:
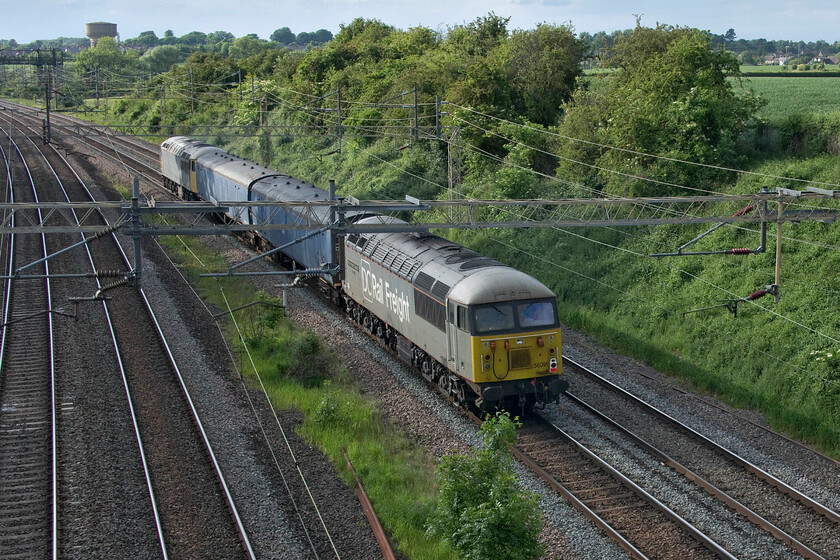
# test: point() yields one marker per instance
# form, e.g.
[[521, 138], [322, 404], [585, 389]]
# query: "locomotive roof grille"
[[440, 290], [424, 281], [379, 253], [394, 260]]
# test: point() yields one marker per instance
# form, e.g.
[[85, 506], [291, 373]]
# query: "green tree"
[[730, 36], [322, 36], [670, 96], [193, 38], [482, 511], [106, 55], [247, 46], [219, 37], [146, 39], [161, 59], [543, 66], [284, 36]]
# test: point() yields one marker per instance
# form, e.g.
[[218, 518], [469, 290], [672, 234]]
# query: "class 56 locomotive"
[[487, 334]]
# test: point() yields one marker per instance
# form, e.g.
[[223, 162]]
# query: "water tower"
[[99, 29]]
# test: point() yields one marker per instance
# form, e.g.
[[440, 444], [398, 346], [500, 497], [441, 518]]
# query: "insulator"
[[743, 211], [100, 293], [756, 295], [104, 232], [741, 251], [110, 274]]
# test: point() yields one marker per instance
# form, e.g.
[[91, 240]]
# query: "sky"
[[797, 20]]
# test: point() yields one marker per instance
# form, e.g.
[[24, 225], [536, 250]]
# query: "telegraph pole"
[[47, 103]]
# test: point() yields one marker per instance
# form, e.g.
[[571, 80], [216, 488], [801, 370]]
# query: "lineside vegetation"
[[522, 121]]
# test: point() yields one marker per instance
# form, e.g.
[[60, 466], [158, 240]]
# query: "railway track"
[[28, 502], [187, 520], [692, 544], [161, 425], [789, 515], [138, 157], [616, 504]]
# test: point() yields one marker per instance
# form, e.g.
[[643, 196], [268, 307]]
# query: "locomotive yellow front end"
[[516, 353], [523, 356], [504, 337]]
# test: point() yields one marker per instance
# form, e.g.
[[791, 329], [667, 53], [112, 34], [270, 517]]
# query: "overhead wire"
[[330, 120], [700, 324], [643, 154], [677, 269]]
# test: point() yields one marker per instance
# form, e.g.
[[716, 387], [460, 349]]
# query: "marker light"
[[540, 342], [507, 345], [552, 365]]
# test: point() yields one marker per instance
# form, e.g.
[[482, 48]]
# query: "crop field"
[[789, 95]]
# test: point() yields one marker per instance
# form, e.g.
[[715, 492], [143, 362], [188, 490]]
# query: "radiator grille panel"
[[520, 359]]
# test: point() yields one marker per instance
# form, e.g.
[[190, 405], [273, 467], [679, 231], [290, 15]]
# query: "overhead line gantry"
[[763, 207]]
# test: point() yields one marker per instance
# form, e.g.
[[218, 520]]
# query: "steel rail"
[[10, 254], [702, 483], [217, 468], [194, 412], [575, 502], [51, 350], [370, 513], [698, 535], [243, 535], [710, 488], [147, 473], [741, 418], [782, 486]]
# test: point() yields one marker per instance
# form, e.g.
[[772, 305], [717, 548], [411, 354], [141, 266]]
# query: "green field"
[[789, 95]]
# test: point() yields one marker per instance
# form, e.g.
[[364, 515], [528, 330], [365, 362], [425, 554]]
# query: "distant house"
[[776, 59], [825, 59]]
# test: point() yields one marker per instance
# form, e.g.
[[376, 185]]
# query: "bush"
[[482, 511]]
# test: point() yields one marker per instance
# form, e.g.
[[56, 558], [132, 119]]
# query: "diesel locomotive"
[[487, 334]]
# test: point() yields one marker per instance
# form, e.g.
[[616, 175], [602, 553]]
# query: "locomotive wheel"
[[426, 369], [444, 384], [460, 394]]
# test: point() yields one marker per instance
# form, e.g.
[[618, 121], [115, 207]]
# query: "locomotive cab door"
[[459, 339], [192, 176]]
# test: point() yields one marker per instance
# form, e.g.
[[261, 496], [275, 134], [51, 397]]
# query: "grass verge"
[[301, 373]]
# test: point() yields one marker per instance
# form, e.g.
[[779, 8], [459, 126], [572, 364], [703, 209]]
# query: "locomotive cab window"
[[192, 165], [494, 317], [536, 314], [511, 316], [462, 319]]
